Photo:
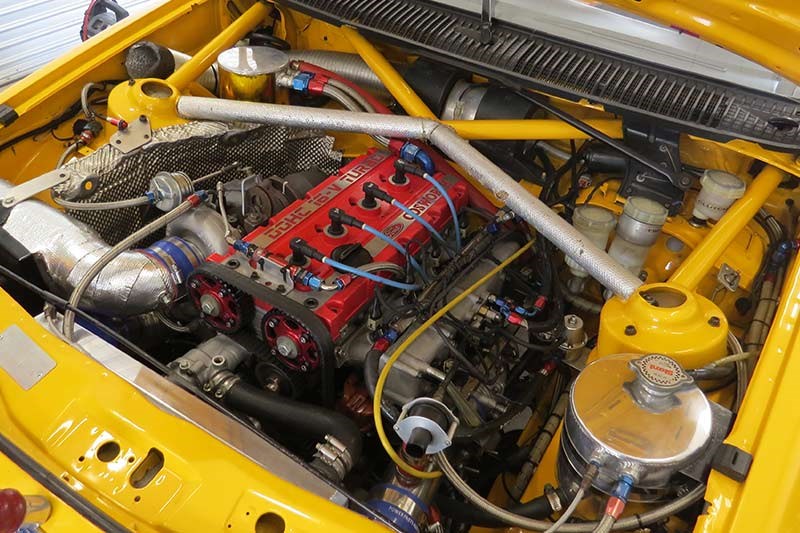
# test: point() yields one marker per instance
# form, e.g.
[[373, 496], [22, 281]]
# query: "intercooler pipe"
[[135, 282], [548, 223], [303, 418]]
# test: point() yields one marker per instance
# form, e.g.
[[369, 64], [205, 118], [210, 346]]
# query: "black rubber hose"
[[303, 418], [538, 508]]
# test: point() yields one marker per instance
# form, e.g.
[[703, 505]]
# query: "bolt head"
[[714, 322], [630, 330]]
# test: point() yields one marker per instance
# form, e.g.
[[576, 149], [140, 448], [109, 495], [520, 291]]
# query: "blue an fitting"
[[301, 81], [314, 282], [623, 487], [151, 197], [391, 335], [782, 252], [241, 246], [414, 154]]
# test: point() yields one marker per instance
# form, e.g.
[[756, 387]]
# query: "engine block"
[[289, 333]]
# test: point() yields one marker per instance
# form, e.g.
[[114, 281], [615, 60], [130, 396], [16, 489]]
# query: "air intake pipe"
[[136, 282]]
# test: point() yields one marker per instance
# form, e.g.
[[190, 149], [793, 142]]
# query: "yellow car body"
[[207, 484]]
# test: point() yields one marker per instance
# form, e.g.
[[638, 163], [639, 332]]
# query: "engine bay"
[[553, 334]]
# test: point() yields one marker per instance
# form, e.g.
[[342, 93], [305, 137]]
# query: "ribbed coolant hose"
[[310, 420]]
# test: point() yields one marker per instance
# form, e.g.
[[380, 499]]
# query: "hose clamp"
[[335, 454], [220, 383]]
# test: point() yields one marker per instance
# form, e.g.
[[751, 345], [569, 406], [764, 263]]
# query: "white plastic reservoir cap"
[[646, 211], [719, 190]]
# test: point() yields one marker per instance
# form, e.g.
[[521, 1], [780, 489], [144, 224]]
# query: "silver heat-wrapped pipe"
[[551, 226], [137, 281]]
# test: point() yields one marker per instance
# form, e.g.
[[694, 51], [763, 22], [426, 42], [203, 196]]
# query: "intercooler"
[[528, 58], [197, 149]]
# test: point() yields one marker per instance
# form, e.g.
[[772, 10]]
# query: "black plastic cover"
[[524, 57]]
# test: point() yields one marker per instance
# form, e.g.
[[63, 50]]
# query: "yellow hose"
[[405, 344]]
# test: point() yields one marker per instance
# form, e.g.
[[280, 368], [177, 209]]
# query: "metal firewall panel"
[[34, 33]]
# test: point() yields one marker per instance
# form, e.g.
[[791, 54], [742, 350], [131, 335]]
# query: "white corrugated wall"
[[34, 32]]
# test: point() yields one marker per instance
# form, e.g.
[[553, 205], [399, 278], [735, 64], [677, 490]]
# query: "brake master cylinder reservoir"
[[638, 228], [636, 416], [596, 223], [719, 190]]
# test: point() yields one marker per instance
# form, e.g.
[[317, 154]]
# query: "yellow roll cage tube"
[[62, 422]]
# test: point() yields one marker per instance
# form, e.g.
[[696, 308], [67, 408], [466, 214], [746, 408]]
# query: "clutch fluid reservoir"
[[636, 416]]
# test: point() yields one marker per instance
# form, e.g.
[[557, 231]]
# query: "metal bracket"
[[31, 188], [441, 438], [728, 277], [137, 134], [487, 15]]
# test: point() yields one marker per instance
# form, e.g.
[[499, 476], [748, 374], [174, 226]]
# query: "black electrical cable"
[[459, 355], [596, 188], [544, 348], [71, 112], [61, 490], [593, 132]]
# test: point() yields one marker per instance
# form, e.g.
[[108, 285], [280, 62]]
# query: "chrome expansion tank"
[[634, 415]]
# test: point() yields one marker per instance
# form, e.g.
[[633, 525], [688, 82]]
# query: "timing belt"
[[298, 312]]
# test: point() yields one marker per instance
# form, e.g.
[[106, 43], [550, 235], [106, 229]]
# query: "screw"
[[254, 275], [630, 330], [272, 323], [714, 322], [280, 288], [272, 385], [303, 339], [142, 118]]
